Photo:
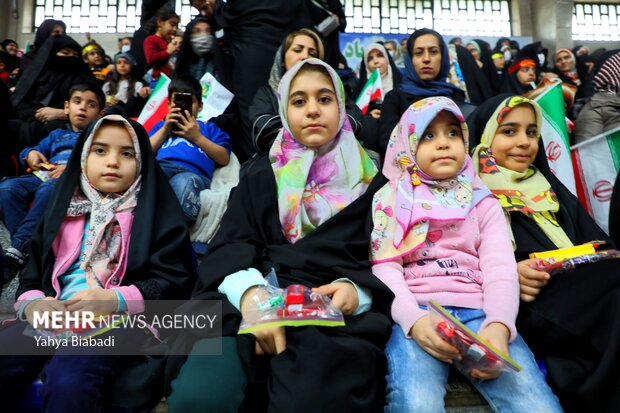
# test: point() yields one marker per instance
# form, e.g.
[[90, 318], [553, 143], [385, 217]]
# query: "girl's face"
[[93, 58], [123, 67], [201, 28], [377, 60], [515, 144], [426, 57], [11, 48], [312, 109], [168, 28], [526, 75], [111, 165], [474, 52], [499, 62], [302, 48], [441, 150], [564, 62]]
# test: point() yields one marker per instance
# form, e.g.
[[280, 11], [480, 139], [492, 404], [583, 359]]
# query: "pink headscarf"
[[402, 211]]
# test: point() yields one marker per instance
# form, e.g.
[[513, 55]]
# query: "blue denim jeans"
[[187, 186], [416, 381], [15, 197]]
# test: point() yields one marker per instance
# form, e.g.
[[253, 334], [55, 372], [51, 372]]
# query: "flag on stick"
[[596, 163], [156, 107], [371, 91], [554, 134]]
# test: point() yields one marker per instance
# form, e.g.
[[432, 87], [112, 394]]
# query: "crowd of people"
[[439, 191]]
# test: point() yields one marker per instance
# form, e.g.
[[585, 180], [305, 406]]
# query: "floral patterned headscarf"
[[527, 192], [314, 184], [403, 208]]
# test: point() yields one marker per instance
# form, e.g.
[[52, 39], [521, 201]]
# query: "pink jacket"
[[67, 245], [467, 263]]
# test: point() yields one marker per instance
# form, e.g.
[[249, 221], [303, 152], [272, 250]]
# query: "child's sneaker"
[[14, 261]]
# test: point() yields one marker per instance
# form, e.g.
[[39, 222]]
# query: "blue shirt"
[[56, 147], [184, 153]]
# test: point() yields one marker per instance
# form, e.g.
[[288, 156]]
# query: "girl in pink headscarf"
[[440, 235]]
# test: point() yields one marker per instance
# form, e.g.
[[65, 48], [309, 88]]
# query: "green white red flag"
[[596, 163], [554, 134], [371, 91], [156, 107]]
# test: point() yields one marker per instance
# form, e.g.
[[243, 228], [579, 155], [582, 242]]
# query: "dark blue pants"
[[15, 197], [72, 383]]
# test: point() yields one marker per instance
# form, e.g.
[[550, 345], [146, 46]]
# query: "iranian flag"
[[156, 107], [555, 134], [596, 162], [371, 91]]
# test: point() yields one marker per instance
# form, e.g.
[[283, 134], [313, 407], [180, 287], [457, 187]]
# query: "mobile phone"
[[183, 101]]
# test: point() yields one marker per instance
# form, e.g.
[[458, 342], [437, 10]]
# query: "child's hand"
[[43, 305], [98, 300], [144, 92], [343, 295], [188, 128], [112, 100], [173, 47], [270, 340], [497, 335], [531, 281], [57, 171], [423, 332], [172, 120], [35, 158]]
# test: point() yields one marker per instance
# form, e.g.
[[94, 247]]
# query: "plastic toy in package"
[[554, 265], [475, 352], [293, 306]]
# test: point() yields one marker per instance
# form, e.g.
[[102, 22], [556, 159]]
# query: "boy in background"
[[188, 149], [48, 160]]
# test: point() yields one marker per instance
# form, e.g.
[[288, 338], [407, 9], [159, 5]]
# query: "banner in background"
[[352, 44]]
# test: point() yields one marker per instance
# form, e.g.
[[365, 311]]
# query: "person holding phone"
[[188, 149]]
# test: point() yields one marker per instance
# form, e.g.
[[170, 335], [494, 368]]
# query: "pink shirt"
[[467, 263]]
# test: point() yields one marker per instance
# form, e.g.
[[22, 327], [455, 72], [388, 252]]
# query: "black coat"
[[351, 358], [331, 43], [255, 30], [573, 323]]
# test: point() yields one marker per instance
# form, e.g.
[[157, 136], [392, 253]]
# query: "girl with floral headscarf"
[[301, 212], [569, 320], [439, 235], [111, 238]]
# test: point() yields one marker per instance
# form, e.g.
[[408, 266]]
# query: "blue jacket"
[[56, 147], [184, 153]]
